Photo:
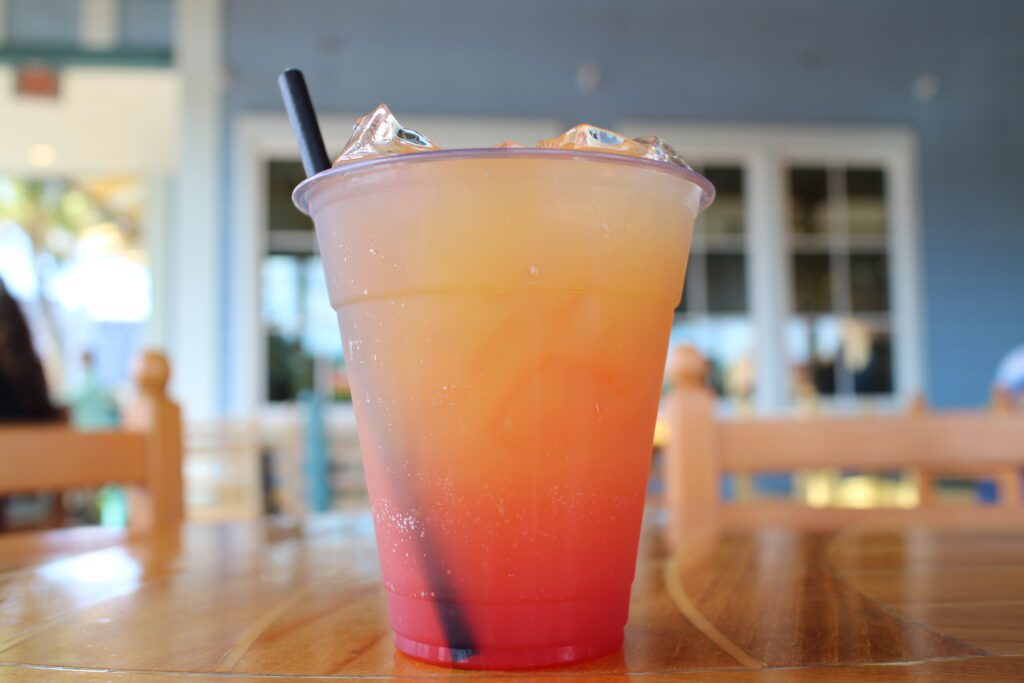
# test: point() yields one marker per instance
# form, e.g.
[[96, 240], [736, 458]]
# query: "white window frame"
[[259, 139], [765, 152]]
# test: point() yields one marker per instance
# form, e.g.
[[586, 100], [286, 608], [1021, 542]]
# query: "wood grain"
[[995, 627], [302, 601], [975, 670], [774, 595]]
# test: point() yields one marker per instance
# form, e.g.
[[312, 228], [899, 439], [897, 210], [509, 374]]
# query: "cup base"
[[497, 658], [510, 635]]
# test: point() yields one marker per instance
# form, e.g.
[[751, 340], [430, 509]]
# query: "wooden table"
[[270, 602]]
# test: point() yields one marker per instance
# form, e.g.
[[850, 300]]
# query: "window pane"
[[303, 344], [320, 336], [808, 200], [865, 196], [693, 297], [725, 216], [727, 283], [728, 344], [289, 368], [280, 288], [869, 282], [833, 355], [684, 303], [840, 269], [289, 365], [811, 275], [867, 357], [814, 346], [282, 177]]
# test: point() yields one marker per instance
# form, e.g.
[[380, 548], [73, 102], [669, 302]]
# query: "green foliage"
[[290, 368], [51, 211]]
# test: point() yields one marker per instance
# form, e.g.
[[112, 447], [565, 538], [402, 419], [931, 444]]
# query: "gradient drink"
[[505, 315]]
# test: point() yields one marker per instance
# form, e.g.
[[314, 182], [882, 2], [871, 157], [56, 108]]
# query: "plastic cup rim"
[[302, 192]]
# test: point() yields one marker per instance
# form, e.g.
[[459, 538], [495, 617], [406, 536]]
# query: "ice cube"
[[379, 134], [595, 139], [659, 150]]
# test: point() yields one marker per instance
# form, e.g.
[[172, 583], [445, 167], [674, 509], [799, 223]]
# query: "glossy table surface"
[[273, 601]]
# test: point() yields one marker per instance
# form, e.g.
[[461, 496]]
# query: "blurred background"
[[865, 246]]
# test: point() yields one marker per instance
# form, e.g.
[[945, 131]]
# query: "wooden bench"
[[702, 447], [145, 455]]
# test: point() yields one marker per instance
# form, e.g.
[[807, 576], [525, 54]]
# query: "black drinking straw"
[[304, 123], [314, 160]]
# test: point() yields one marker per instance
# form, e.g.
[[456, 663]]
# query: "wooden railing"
[[702, 448], [145, 455]]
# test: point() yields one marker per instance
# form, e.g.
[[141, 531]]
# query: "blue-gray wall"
[[43, 22], [146, 23], [793, 61], [54, 23]]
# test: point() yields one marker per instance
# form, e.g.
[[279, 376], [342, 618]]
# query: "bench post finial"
[[692, 474], [159, 501]]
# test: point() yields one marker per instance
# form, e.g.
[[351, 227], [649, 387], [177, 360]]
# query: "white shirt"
[[1010, 375]]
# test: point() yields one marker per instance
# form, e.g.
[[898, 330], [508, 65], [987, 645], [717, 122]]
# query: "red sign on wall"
[[37, 79]]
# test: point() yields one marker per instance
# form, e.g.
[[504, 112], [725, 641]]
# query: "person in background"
[[1010, 375], [24, 396], [92, 405]]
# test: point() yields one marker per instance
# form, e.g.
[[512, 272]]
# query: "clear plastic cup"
[[505, 315]]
